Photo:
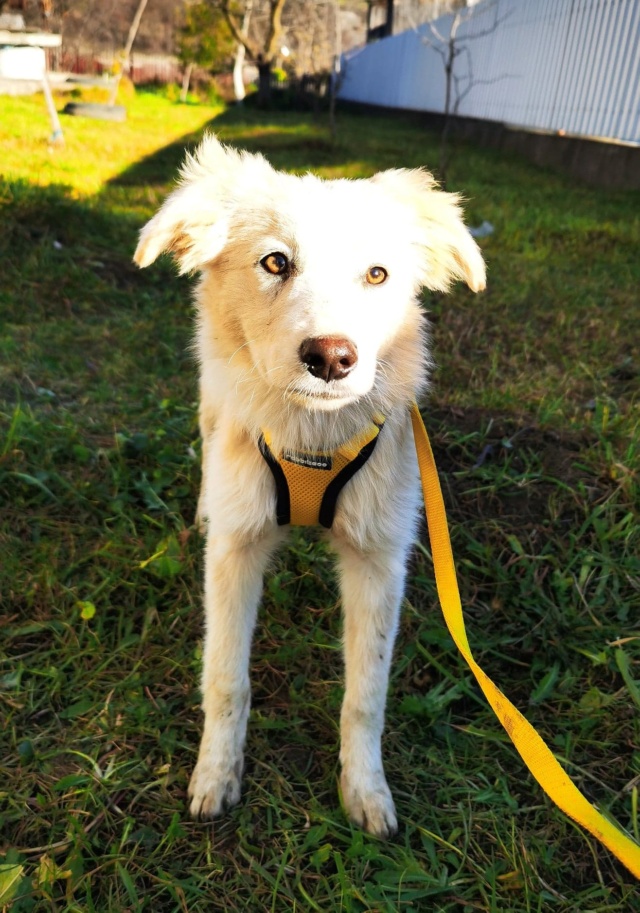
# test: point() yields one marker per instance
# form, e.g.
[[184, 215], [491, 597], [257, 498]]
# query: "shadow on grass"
[[290, 140], [49, 237], [78, 318], [301, 144], [76, 310]]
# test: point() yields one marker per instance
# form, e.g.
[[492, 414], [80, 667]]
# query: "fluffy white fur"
[[230, 210]]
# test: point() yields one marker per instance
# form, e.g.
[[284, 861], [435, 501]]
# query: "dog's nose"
[[328, 357]]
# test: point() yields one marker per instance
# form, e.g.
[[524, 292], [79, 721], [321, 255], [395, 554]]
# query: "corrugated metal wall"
[[570, 65]]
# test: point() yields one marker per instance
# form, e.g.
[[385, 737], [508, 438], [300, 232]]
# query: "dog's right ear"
[[193, 222], [193, 233]]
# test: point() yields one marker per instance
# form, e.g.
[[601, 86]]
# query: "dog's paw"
[[367, 801], [214, 788]]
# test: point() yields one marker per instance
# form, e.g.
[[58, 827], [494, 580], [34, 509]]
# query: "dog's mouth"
[[330, 398]]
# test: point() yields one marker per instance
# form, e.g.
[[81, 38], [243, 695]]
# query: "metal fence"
[[569, 66]]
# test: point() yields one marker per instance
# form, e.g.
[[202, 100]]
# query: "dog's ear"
[[193, 222], [193, 233], [450, 251]]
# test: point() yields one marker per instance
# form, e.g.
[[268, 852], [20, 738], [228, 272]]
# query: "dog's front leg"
[[372, 588], [233, 582], [206, 421]]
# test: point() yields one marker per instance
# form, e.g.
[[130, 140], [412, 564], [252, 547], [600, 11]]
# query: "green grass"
[[534, 419]]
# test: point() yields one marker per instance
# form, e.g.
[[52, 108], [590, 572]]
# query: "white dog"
[[312, 346]]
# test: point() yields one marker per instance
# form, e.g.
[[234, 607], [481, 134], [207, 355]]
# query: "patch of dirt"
[[507, 467]]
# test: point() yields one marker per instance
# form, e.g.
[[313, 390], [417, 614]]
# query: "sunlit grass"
[[94, 151]]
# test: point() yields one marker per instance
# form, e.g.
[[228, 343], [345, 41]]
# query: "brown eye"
[[377, 275], [277, 264]]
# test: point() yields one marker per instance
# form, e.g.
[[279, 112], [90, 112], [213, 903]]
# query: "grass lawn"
[[534, 416]]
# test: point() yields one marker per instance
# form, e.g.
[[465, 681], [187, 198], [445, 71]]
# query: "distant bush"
[[203, 91]]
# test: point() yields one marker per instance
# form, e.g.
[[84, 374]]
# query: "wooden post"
[[41, 40], [57, 135], [186, 79]]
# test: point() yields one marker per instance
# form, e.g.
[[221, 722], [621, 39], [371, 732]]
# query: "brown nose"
[[328, 357]]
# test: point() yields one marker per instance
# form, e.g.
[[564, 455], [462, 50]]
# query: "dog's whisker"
[[276, 368], [233, 355]]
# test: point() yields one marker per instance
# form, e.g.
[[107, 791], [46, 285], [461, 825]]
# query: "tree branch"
[[272, 44], [479, 82], [236, 30]]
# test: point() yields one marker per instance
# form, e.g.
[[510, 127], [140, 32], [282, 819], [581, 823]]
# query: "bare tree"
[[459, 82], [126, 53], [309, 35], [92, 28], [264, 50]]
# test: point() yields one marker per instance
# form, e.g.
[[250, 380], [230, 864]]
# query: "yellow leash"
[[533, 750]]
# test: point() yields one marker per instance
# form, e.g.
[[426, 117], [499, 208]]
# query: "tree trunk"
[[238, 64], [238, 81], [444, 139], [264, 84], [335, 75], [186, 79]]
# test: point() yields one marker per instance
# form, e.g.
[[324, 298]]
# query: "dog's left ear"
[[450, 251]]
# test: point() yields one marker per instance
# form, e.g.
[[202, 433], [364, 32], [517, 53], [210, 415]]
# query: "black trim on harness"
[[283, 501], [330, 497]]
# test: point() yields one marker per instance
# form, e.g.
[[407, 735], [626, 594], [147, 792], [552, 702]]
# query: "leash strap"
[[531, 747]]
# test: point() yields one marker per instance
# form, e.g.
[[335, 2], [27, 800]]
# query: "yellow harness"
[[308, 484]]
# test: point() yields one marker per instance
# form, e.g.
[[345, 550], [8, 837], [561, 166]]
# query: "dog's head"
[[313, 283]]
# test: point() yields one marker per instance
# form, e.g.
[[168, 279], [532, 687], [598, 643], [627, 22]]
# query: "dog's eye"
[[376, 275], [277, 264]]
